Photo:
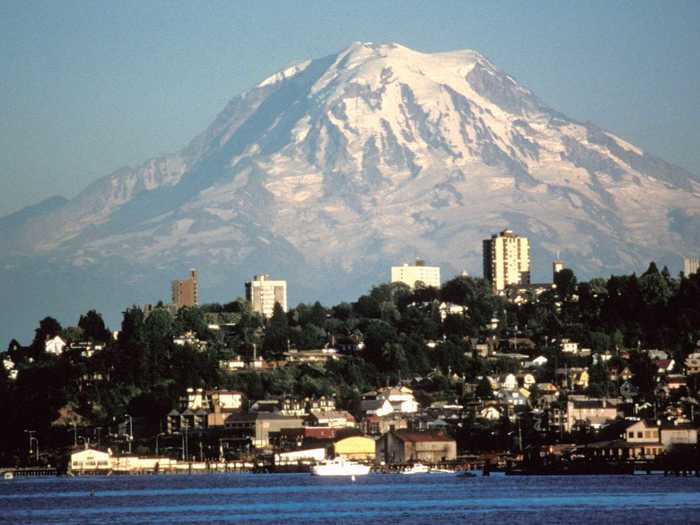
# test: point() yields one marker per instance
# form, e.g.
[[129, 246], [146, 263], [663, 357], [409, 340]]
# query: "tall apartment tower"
[[410, 275], [557, 266], [186, 293], [691, 265], [506, 260], [263, 293]]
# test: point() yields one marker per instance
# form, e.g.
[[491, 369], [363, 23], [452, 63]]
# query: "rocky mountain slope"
[[330, 171]]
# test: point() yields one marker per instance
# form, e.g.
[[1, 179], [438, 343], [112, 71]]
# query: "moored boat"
[[340, 467], [417, 468]]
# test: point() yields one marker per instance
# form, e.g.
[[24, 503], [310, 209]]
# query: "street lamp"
[[36, 443], [131, 431], [157, 436]]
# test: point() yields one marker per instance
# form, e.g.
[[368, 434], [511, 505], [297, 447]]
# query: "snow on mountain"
[[335, 168]]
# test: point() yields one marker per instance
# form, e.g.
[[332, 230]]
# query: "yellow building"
[[358, 448]]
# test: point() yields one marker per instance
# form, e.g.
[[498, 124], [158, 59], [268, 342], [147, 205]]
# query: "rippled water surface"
[[302, 498]]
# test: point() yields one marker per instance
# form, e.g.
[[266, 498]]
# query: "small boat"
[[417, 468], [8, 475], [466, 474], [441, 471], [340, 467]]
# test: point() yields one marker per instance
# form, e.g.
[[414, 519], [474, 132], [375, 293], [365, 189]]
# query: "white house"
[[376, 407], [9, 366], [569, 347], [537, 362], [54, 345], [490, 413], [529, 380], [451, 309], [510, 382], [400, 398]]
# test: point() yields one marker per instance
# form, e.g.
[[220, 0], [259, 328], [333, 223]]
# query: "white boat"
[[340, 467], [441, 471], [417, 468]]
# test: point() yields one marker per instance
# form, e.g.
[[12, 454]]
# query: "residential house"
[[627, 440], [376, 407], [510, 382], [655, 354], [490, 413], [619, 374], [86, 348], [190, 339], [400, 398], [692, 363], [446, 309], [664, 366], [568, 346], [581, 410], [682, 433], [520, 344], [201, 409], [548, 393], [537, 362], [376, 425], [9, 366], [675, 381], [331, 418], [54, 345], [320, 356]]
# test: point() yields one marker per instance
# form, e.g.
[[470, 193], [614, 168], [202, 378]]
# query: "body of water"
[[377, 498]]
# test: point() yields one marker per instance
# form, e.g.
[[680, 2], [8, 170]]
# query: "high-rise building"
[[263, 293], [691, 265], [557, 266], [418, 273], [186, 293], [506, 260]]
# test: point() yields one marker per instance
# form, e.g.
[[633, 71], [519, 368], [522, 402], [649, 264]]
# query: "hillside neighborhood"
[[410, 372]]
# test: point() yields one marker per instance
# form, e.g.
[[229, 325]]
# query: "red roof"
[[407, 435]]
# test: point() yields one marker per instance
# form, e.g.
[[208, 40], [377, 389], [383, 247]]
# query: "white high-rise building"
[[263, 293], [418, 273], [557, 266], [506, 260], [691, 265]]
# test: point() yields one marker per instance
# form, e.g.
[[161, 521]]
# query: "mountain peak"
[[333, 169]]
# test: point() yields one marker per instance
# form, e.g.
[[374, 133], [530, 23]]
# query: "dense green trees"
[[388, 334]]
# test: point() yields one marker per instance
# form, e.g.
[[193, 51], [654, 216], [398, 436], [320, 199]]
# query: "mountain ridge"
[[351, 162]]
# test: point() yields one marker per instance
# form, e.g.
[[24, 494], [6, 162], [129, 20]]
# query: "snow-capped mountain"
[[330, 171]]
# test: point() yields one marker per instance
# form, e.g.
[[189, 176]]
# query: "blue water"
[[304, 499]]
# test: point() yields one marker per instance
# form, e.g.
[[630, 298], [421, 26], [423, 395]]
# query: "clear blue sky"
[[89, 86]]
